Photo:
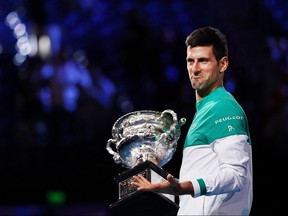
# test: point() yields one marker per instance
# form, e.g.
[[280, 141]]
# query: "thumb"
[[173, 181]]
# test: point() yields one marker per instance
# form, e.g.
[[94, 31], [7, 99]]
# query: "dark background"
[[112, 57]]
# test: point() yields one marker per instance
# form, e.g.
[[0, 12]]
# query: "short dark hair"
[[207, 36]]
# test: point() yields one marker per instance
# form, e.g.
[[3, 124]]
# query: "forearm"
[[184, 188], [179, 188]]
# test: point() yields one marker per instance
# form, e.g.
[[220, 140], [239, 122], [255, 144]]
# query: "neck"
[[201, 94]]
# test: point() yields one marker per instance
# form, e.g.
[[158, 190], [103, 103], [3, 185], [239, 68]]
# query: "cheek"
[[189, 69], [215, 75]]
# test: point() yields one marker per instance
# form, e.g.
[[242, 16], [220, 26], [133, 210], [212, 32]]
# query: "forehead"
[[200, 51]]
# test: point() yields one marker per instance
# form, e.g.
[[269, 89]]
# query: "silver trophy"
[[143, 141]]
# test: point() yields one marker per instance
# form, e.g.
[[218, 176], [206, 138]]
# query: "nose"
[[193, 68]]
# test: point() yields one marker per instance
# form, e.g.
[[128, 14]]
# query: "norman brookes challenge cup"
[[140, 138]]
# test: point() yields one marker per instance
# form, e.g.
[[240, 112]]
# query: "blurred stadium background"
[[70, 68]]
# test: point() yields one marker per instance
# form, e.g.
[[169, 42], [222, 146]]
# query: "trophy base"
[[148, 169], [144, 203]]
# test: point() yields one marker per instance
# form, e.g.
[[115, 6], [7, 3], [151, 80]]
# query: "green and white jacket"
[[217, 158]]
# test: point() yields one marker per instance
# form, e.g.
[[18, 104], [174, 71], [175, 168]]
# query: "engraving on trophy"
[[125, 187]]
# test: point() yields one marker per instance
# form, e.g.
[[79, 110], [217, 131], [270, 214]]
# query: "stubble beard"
[[197, 85]]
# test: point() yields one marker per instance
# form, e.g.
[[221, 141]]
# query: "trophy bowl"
[[145, 135]]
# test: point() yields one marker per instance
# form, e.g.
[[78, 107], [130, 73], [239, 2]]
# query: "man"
[[216, 170]]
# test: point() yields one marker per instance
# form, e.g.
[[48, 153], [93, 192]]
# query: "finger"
[[136, 184], [173, 181], [141, 179]]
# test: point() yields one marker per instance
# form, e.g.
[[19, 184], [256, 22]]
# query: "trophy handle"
[[116, 156], [182, 122], [175, 119], [169, 135]]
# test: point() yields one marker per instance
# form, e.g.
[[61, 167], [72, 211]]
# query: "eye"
[[190, 61], [204, 60]]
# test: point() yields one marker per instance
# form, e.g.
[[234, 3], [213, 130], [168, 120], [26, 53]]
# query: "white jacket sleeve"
[[234, 155]]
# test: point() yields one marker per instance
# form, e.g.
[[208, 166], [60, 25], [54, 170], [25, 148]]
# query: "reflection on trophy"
[[143, 142]]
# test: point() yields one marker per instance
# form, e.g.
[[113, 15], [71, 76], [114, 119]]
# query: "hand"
[[170, 186]]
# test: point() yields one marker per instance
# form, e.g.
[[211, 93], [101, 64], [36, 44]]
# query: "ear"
[[223, 64]]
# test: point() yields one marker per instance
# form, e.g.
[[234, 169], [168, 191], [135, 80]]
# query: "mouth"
[[195, 77]]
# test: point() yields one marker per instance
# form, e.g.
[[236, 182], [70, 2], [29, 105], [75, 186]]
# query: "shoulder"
[[223, 102]]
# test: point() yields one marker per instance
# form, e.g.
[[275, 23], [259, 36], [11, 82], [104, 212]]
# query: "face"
[[205, 73]]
